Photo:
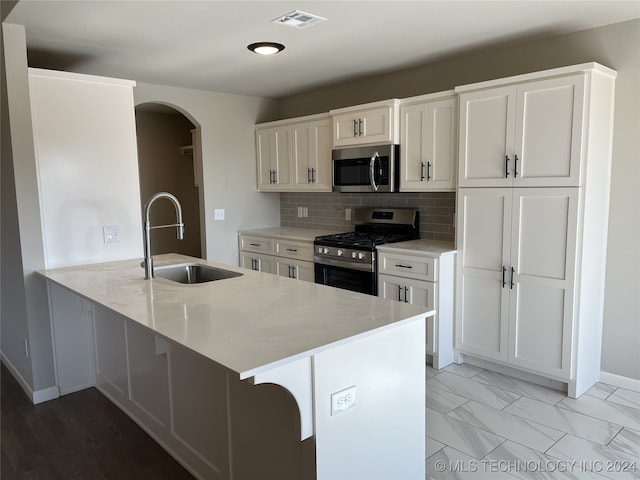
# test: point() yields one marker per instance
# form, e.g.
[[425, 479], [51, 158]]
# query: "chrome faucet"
[[148, 259]]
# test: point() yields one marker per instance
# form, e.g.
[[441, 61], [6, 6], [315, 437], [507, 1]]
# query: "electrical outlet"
[[347, 214], [111, 233], [343, 400], [218, 214], [305, 212], [300, 212]]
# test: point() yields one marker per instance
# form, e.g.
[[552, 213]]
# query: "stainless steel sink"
[[192, 273]]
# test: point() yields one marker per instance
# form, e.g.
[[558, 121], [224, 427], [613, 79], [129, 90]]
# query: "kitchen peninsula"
[[197, 367]]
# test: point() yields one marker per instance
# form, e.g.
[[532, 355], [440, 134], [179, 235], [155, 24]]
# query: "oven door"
[[347, 278]]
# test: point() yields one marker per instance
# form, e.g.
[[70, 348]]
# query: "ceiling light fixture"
[[266, 48]]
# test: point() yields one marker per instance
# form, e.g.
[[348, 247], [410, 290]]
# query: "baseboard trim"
[[627, 383], [37, 396]]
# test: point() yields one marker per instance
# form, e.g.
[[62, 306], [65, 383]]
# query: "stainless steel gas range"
[[348, 260]]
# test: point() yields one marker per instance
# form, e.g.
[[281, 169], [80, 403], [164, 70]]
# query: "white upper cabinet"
[[366, 124], [273, 154], [428, 143], [528, 134], [312, 155], [294, 154]]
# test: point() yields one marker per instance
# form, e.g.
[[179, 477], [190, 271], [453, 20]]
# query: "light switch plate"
[[218, 214]]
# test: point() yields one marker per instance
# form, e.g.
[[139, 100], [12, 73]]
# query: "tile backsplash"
[[327, 210]]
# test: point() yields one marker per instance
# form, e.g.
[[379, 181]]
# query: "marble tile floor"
[[485, 425]]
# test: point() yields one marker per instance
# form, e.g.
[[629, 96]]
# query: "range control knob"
[[340, 253], [326, 251], [354, 255], [361, 255]]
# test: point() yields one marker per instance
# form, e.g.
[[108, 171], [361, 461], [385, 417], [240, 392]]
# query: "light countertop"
[[291, 233], [249, 323], [424, 246]]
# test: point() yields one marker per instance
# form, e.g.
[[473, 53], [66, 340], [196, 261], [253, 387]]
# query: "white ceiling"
[[202, 44]]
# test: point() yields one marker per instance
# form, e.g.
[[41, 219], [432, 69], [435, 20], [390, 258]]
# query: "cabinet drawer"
[[297, 250], [408, 266], [256, 244]]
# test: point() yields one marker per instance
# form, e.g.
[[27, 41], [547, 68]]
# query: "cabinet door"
[[543, 251], [482, 294], [428, 146], [148, 374], [486, 137], [415, 292], [273, 156], [549, 121], [255, 261], [374, 125], [300, 270], [312, 145], [110, 353]]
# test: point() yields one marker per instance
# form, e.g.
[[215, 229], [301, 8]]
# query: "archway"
[[169, 160]]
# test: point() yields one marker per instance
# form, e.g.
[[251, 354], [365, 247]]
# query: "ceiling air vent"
[[298, 19]]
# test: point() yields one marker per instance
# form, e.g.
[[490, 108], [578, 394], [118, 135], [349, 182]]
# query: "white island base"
[[349, 404]]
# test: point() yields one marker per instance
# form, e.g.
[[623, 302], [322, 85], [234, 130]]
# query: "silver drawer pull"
[[292, 249], [403, 266], [254, 244]]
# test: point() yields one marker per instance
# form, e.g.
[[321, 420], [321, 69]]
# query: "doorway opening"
[[169, 160]]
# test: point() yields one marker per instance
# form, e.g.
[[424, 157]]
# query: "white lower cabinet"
[[278, 255], [258, 262], [517, 271], [408, 272], [300, 270]]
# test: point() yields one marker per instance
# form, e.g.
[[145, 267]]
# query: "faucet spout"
[[146, 233]]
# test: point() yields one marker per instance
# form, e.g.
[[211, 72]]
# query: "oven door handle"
[[372, 170], [364, 267]]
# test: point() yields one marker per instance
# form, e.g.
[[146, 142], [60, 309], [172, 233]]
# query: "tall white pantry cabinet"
[[534, 175]]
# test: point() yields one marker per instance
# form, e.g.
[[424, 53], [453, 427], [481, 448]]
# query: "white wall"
[[228, 156], [87, 166]]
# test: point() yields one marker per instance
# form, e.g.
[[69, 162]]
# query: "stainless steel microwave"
[[366, 169]]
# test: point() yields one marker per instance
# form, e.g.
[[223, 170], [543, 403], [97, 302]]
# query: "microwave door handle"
[[372, 169]]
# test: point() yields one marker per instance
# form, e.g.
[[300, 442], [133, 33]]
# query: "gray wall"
[[616, 46], [327, 210], [25, 311]]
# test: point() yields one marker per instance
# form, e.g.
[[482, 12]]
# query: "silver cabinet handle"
[[512, 272], [313, 175], [406, 289], [254, 244], [360, 127], [422, 171], [515, 166], [399, 265], [399, 293], [292, 249], [506, 166], [504, 281], [428, 171], [355, 127]]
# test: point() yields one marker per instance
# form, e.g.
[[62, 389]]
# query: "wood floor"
[[78, 436]]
